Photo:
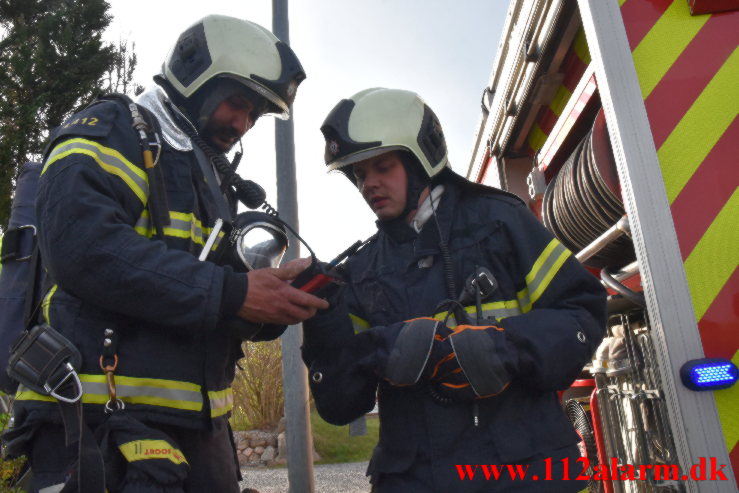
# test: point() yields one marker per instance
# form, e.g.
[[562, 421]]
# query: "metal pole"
[[294, 374]]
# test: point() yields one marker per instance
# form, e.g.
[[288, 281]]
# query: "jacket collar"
[[427, 240], [155, 100]]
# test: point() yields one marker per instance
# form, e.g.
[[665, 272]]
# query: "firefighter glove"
[[486, 360], [447, 382], [410, 352]]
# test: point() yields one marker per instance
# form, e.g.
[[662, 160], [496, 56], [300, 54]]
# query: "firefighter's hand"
[[446, 380], [270, 298], [481, 363]]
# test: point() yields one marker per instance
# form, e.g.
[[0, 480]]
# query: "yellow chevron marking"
[[727, 402], [701, 127], [714, 258], [621, 3], [537, 137], [581, 46], [560, 100], [659, 49]]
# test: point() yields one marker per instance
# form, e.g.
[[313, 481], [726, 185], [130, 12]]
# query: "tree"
[[52, 62]]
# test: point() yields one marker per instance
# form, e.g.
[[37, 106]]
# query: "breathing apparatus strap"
[[148, 132], [246, 191], [90, 467], [158, 206], [33, 301], [224, 210]]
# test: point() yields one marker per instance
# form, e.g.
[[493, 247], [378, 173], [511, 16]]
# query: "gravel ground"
[[330, 478]]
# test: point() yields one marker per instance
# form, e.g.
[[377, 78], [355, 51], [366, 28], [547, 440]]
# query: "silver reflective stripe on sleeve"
[[109, 159]]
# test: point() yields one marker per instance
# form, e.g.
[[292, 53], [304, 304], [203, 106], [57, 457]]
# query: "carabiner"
[[110, 374]]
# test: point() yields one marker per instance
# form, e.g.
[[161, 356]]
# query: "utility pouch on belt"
[[45, 361]]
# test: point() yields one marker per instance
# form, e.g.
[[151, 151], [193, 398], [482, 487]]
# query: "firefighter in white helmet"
[[120, 242], [463, 315]]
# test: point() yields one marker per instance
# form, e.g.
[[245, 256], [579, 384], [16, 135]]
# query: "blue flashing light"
[[709, 374]]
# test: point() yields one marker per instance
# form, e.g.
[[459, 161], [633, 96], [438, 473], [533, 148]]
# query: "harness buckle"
[[71, 374]]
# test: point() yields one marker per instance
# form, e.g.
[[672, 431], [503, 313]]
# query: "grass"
[[334, 444]]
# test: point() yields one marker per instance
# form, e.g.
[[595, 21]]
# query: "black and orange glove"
[[486, 357], [463, 363], [446, 380], [410, 350]]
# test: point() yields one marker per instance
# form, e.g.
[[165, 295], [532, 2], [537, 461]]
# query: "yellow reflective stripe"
[[715, 258], [549, 276], [109, 159], [30, 395], [664, 43], [538, 279], [359, 324], [620, 4], [531, 276], [496, 309], [185, 225], [46, 304], [702, 126], [152, 449], [221, 402], [727, 402], [182, 225], [216, 243], [542, 273], [150, 391]]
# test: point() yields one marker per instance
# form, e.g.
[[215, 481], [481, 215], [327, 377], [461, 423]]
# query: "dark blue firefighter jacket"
[[553, 315], [108, 272]]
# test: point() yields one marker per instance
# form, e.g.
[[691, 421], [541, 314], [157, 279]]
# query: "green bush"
[[257, 387], [10, 469]]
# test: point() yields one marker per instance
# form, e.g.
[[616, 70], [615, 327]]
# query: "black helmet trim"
[[292, 75], [191, 56], [336, 131], [431, 137]]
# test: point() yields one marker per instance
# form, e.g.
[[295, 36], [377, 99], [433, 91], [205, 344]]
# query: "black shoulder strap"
[[33, 299]]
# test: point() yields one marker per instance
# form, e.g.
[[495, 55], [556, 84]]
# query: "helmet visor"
[[362, 155], [278, 108]]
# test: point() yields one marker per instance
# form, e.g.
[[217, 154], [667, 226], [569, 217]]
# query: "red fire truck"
[[617, 121]]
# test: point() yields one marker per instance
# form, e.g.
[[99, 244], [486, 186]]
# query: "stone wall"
[[262, 448], [256, 447]]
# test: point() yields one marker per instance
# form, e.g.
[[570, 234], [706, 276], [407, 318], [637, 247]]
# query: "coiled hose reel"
[[583, 200]]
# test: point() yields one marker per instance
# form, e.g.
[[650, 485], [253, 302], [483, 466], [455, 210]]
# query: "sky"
[[441, 49]]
